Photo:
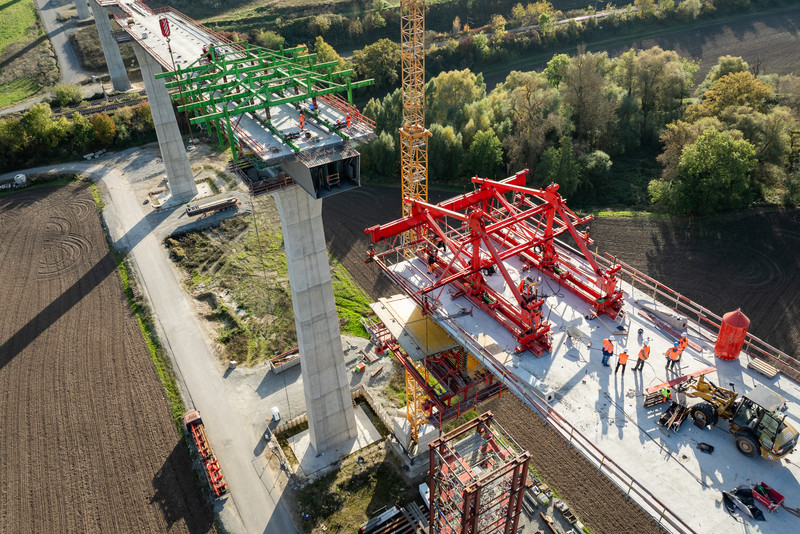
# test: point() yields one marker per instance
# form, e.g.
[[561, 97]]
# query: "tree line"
[[726, 146], [38, 137]]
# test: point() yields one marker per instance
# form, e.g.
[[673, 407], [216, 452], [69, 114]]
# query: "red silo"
[[731, 335]]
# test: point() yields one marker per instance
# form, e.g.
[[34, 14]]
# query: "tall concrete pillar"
[[83, 9], [173, 151], [331, 419], [116, 68]]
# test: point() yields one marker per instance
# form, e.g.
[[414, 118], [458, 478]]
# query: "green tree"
[[735, 89], [645, 8], [539, 118], [712, 176], [82, 133], [104, 129], [689, 9], [42, 129], [380, 61], [269, 39], [593, 105], [326, 53], [66, 94], [379, 156], [142, 121], [447, 151], [560, 165], [725, 65], [555, 69], [13, 142], [485, 155], [447, 94]]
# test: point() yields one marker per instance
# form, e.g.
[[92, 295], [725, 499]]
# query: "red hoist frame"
[[481, 229]]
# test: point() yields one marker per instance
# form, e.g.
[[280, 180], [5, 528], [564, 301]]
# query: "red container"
[[767, 496], [731, 336]]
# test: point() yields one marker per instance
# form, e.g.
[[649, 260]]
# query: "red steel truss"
[[477, 480], [477, 231]]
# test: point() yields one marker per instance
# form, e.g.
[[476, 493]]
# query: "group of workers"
[[673, 354]]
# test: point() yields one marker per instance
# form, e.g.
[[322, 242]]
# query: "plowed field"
[[87, 443]]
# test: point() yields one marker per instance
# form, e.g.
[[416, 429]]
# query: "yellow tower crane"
[[413, 134], [413, 156]]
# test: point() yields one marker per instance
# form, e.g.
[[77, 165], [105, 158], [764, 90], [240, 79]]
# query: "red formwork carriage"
[[194, 424], [477, 232]]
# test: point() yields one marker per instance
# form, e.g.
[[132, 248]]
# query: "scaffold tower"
[[477, 480]]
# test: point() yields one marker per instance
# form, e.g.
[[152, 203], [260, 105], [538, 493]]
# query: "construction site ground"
[[88, 443]]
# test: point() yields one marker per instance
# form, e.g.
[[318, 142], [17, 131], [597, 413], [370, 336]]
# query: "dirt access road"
[[87, 441]]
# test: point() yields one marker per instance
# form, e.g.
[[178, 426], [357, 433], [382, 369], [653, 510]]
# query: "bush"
[[66, 94]]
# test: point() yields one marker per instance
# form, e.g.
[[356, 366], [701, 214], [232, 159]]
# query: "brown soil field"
[[87, 441]]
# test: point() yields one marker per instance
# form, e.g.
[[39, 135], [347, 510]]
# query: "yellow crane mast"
[[413, 154], [413, 134]]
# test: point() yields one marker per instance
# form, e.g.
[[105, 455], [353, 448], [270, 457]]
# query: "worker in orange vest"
[[302, 119], [608, 350], [683, 342], [622, 359], [644, 353], [673, 355], [348, 121]]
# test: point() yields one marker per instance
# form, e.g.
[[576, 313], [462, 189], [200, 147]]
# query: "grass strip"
[[352, 302]]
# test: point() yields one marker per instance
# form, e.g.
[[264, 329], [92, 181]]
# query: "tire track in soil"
[[88, 443], [596, 500]]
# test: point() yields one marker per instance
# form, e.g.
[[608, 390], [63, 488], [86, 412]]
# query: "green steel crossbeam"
[[272, 103], [248, 93]]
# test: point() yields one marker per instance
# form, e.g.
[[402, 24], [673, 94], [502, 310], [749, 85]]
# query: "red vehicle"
[[194, 424]]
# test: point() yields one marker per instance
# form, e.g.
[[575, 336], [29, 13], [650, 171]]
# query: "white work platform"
[[187, 39], [608, 408]]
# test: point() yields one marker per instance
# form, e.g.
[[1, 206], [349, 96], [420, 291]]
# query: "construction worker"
[[666, 393], [622, 359], [608, 350], [302, 119], [431, 260], [673, 355], [683, 342], [644, 353], [348, 121], [527, 288]]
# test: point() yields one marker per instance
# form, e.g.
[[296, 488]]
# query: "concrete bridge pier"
[[173, 150], [331, 419], [116, 67], [83, 9]]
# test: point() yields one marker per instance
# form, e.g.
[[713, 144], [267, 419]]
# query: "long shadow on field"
[[178, 495], [75, 293]]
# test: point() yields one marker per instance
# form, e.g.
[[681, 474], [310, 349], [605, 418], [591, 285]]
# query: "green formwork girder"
[[233, 78]]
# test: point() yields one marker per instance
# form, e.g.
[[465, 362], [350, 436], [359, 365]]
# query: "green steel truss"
[[253, 78]]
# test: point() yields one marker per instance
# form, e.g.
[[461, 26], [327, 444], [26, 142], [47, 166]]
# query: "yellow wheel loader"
[[756, 420]]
